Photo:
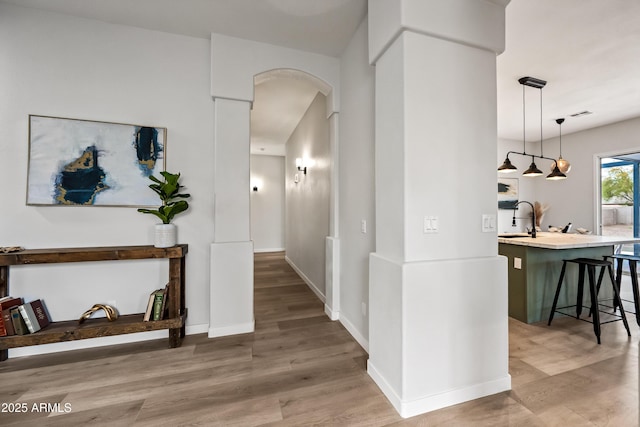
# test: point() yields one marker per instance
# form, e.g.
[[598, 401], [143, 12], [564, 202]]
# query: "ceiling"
[[279, 103], [587, 50]]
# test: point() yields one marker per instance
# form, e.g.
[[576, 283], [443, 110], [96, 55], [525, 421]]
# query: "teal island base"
[[533, 275]]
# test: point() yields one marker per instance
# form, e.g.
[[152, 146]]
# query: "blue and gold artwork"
[[81, 162]]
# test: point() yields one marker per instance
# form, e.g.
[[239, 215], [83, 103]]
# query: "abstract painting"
[[507, 193], [92, 163]]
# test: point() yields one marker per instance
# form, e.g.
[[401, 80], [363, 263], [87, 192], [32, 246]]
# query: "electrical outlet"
[[363, 226], [517, 263]]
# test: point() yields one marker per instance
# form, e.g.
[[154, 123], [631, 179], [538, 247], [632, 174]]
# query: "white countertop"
[[548, 240]]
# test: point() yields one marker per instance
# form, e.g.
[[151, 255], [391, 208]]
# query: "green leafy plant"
[[168, 190], [618, 184]]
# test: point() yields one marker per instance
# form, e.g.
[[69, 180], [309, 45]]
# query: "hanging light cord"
[[524, 122], [524, 132], [561, 138], [541, 154]]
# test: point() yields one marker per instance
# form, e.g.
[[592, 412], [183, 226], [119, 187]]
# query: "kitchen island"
[[534, 269]]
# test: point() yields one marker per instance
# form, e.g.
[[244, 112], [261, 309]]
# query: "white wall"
[[572, 199], [526, 186], [357, 199], [267, 204], [71, 67], [307, 201]]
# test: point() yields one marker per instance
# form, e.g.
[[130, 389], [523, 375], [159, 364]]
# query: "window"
[[619, 196]]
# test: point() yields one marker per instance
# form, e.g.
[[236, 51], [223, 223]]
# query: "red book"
[[6, 325]]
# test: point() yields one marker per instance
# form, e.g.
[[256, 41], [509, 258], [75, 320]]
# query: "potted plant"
[[173, 203]]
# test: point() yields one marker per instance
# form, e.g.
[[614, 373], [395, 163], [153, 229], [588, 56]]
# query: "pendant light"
[[563, 165], [533, 169], [556, 171], [507, 166], [556, 174]]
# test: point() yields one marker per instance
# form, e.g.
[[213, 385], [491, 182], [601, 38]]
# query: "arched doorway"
[[289, 127], [232, 89]]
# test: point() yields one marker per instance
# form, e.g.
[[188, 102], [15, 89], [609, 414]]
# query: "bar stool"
[[590, 265], [632, 260]]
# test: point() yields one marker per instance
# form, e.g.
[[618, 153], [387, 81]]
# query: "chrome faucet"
[[533, 217]]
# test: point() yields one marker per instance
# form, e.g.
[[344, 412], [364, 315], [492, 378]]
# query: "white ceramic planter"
[[165, 236]]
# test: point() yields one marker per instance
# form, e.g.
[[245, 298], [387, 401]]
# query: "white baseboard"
[[100, 342], [224, 331], [197, 329], [268, 250], [364, 343], [309, 283], [88, 343], [410, 408], [385, 387], [333, 315]]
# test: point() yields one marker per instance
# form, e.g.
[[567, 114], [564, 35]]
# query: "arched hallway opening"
[[291, 141]]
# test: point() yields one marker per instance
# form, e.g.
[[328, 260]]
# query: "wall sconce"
[[533, 170], [256, 184], [303, 163]]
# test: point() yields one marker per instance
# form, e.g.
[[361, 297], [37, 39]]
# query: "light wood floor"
[[299, 368]]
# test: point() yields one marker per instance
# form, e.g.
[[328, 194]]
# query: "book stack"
[[156, 306], [19, 318], [6, 324]]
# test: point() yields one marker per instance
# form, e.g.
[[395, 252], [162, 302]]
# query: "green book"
[[158, 304], [18, 322]]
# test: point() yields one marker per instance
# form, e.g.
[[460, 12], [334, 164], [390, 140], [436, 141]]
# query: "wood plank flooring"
[[300, 369]]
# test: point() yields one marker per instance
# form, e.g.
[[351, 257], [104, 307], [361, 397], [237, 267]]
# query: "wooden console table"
[[101, 327]]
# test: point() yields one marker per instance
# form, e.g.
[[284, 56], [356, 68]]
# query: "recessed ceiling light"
[[581, 113]]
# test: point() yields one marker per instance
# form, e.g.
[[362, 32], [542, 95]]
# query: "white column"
[[231, 284], [438, 289], [332, 244]]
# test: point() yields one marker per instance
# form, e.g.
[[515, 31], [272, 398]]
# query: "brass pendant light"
[[563, 165]]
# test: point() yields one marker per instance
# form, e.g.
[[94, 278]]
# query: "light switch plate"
[[517, 263], [430, 224], [488, 223]]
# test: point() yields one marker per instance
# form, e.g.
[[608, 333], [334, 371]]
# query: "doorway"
[[291, 153], [233, 83], [618, 197]]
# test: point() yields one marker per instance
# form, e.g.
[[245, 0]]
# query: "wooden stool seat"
[[590, 265]]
